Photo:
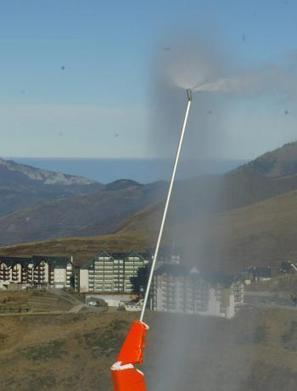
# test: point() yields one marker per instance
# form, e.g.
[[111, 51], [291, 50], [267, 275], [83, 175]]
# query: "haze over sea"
[[140, 170]]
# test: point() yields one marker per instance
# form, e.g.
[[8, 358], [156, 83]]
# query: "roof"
[[264, 272], [178, 270], [115, 255], [146, 254], [55, 261], [173, 270], [11, 261], [88, 264], [218, 278], [118, 255], [164, 252]]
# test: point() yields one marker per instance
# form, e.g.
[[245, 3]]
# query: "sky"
[[75, 76]]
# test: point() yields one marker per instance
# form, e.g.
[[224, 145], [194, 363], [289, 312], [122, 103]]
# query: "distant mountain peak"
[[122, 184], [43, 176]]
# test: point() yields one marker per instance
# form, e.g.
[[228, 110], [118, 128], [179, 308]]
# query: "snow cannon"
[[125, 376]]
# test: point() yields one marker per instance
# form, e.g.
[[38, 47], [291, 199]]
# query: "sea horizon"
[[143, 170]]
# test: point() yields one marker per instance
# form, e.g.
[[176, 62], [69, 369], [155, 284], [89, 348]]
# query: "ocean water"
[[140, 170]]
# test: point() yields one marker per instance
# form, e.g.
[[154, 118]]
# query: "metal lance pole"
[[125, 376], [156, 253]]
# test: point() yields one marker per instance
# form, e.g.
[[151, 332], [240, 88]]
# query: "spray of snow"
[[177, 363], [202, 67], [267, 80]]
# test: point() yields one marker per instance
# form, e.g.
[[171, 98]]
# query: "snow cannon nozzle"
[[189, 94]]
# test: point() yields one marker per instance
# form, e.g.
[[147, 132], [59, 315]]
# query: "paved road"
[[77, 308], [65, 296]]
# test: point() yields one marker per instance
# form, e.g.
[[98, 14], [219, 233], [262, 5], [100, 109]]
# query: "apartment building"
[[46, 271], [181, 289], [110, 272]]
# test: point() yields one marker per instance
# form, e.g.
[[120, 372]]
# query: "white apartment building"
[[46, 271], [110, 272], [184, 290]]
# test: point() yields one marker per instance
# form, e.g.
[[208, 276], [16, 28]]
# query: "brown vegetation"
[[254, 351]]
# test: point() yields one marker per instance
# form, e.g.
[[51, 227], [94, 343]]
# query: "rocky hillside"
[[278, 163], [38, 204], [15, 173], [23, 186]]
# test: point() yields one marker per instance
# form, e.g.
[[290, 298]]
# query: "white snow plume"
[[203, 67], [192, 62], [267, 80], [186, 63]]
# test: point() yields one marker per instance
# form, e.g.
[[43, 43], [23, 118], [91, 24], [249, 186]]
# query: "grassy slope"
[[32, 301], [280, 162], [82, 215], [262, 233], [137, 233], [81, 248], [255, 351], [59, 352]]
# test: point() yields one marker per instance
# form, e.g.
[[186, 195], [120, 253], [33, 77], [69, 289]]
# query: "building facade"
[[42, 271], [184, 290], [110, 272]]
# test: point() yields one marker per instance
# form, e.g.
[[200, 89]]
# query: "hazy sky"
[[75, 75]]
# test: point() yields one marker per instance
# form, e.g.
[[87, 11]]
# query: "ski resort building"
[[110, 272], [181, 289], [41, 271]]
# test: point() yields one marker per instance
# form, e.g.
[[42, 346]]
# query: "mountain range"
[[23, 186], [245, 217], [38, 204]]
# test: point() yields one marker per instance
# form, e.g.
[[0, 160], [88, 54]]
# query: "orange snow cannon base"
[[125, 376]]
